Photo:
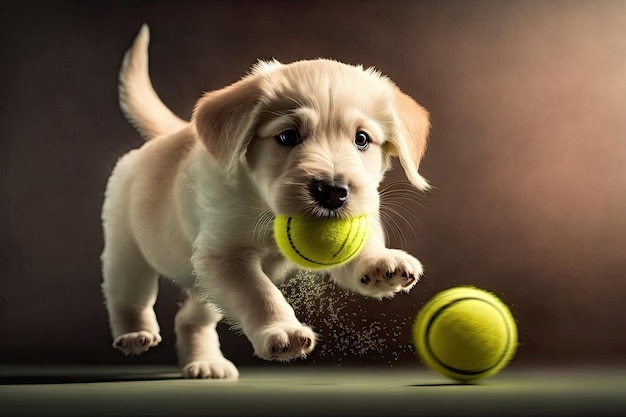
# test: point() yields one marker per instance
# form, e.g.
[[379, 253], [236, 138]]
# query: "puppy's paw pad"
[[136, 343], [218, 368], [284, 342], [392, 272]]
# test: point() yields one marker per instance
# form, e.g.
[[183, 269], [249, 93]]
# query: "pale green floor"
[[308, 391]]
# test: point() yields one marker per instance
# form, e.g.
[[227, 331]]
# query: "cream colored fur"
[[195, 203]]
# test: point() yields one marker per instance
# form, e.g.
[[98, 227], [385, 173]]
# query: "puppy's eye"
[[289, 137], [362, 140]]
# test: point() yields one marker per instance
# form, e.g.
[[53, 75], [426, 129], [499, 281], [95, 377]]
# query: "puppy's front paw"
[[136, 343], [218, 368], [283, 341], [392, 272]]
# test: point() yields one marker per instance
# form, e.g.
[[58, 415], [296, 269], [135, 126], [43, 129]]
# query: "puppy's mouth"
[[323, 213]]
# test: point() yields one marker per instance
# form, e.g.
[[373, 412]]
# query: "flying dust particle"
[[349, 324]]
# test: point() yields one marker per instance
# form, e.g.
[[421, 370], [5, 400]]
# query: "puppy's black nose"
[[329, 194]]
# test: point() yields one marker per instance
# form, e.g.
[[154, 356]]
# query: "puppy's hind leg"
[[130, 289], [198, 343]]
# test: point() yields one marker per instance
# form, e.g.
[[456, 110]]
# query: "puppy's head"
[[316, 136]]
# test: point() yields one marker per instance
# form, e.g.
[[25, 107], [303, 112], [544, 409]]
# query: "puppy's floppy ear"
[[224, 120], [411, 137]]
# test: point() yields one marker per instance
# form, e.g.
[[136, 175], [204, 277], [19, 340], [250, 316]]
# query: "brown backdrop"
[[527, 154]]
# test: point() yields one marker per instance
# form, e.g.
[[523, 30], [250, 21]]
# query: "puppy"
[[196, 202]]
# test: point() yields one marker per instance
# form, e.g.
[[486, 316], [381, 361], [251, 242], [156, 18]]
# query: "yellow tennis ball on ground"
[[465, 333], [320, 243]]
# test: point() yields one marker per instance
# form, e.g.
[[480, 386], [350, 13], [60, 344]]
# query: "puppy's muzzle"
[[329, 194]]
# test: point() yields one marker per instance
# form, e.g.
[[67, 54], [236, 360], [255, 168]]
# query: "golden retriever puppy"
[[196, 202]]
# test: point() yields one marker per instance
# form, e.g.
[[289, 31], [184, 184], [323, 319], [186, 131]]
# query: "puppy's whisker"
[[402, 191], [262, 230], [397, 202], [396, 230], [401, 212], [394, 217], [388, 229]]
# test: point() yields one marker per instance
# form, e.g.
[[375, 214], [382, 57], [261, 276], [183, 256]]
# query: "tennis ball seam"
[[354, 237], [293, 245], [358, 247], [432, 354], [295, 249], [343, 244]]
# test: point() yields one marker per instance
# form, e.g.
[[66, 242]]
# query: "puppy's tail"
[[139, 102]]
